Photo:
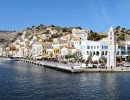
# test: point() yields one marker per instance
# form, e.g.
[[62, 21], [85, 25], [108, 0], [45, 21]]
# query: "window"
[[88, 47], [102, 52], [128, 48], [110, 33], [91, 47], [118, 53], [105, 47], [106, 53], [94, 47], [97, 47], [87, 53]]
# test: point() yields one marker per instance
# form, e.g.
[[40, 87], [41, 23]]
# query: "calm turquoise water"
[[23, 81]]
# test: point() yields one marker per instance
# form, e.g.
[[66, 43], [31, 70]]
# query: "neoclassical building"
[[98, 48]]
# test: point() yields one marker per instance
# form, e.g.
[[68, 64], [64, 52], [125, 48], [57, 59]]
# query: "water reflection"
[[31, 82]]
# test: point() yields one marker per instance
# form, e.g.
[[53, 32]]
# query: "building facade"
[[98, 48]]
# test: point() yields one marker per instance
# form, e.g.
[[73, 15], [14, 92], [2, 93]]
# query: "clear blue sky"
[[97, 15]]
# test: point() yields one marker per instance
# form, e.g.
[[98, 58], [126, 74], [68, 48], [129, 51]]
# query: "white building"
[[19, 53], [67, 50], [1, 51], [123, 50], [76, 43], [37, 49], [98, 48], [81, 34]]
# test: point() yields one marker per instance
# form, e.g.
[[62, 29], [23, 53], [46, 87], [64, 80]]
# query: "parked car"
[[94, 66], [90, 65], [126, 65], [64, 62], [76, 67], [83, 65]]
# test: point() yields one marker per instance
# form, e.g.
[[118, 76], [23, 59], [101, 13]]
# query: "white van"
[[90, 65], [83, 65]]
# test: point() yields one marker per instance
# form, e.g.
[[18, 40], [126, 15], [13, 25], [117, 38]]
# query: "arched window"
[[93, 53], [102, 52], [87, 53], [97, 53], [106, 53]]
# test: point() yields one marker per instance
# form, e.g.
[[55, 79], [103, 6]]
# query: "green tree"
[[28, 28], [51, 55], [33, 26], [41, 25], [103, 59], [91, 31], [52, 25], [89, 60], [64, 30], [121, 37], [78, 28], [19, 34], [118, 59], [47, 32], [118, 27], [128, 59], [56, 35], [94, 36], [73, 56]]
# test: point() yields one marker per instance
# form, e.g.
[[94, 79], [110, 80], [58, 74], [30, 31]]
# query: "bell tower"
[[111, 55]]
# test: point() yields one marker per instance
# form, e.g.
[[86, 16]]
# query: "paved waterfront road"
[[57, 63], [24, 81]]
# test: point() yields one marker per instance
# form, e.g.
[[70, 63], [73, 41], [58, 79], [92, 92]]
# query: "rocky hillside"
[[40, 31], [48, 33], [122, 34], [6, 36]]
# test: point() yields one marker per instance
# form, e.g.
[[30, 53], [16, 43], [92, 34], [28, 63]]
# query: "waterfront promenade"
[[56, 65], [70, 67]]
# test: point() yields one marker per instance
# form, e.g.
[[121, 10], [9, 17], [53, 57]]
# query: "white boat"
[[8, 59]]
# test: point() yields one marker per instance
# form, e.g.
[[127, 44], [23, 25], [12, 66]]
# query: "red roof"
[[39, 42], [70, 47]]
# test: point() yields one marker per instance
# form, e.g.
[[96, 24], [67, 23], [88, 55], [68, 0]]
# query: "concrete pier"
[[71, 69], [55, 65]]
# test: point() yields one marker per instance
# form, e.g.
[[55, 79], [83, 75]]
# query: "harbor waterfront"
[[72, 68], [65, 50], [25, 81]]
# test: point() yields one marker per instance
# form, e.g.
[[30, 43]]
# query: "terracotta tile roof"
[[70, 47], [62, 41], [39, 42], [76, 39]]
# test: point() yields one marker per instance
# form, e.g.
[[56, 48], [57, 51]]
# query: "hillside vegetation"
[[48, 33]]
